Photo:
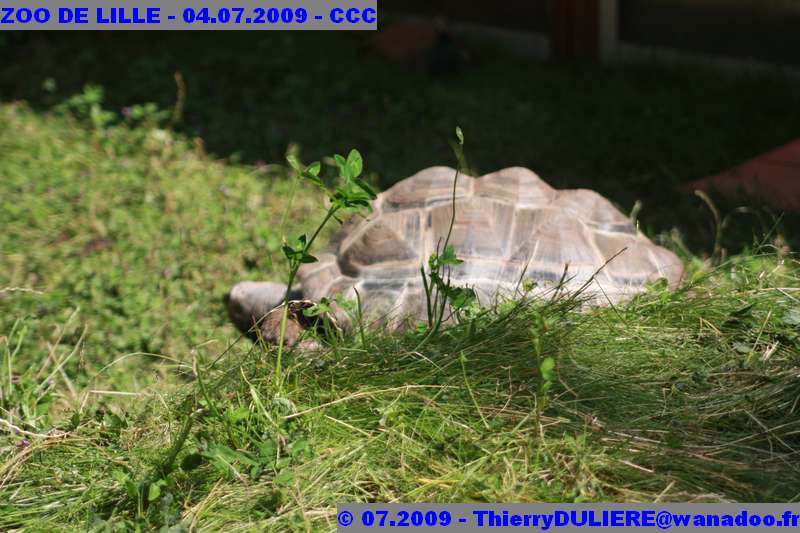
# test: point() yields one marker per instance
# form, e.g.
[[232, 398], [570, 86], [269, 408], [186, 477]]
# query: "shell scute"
[[480, 228], [432, 186], [632, 264], [516, 186], [379, 242], [594, 209]]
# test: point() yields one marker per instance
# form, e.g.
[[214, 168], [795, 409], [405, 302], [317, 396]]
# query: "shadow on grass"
[[630, 133]]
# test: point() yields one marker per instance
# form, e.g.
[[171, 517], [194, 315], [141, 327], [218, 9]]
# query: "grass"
[[127, 400], [114, 344]]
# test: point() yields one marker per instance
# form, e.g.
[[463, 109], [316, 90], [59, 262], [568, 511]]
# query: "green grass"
[[117, 244]]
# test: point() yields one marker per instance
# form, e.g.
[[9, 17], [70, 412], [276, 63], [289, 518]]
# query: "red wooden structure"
[[575, 29], [773, 178]]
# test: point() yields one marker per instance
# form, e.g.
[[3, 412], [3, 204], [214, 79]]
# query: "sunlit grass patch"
[[128, 401]]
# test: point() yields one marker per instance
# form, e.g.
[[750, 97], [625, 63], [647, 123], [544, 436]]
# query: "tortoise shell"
[[509, 226]]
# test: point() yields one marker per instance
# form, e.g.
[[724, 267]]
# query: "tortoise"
[[509, 226]]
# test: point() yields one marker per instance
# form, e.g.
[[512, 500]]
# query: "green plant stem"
[[469, 389], [437, 315], [427, 289], [332, 211], [282, 336], [169, 462], [440, 314], [285, 316], [360, 318]]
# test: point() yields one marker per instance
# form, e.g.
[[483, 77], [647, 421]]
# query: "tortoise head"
[[255, 308], [249, 302]]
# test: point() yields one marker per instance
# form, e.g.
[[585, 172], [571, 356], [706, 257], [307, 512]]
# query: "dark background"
[[633, 132]]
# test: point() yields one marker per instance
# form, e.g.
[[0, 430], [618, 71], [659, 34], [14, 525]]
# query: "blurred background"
[[634, 98]]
